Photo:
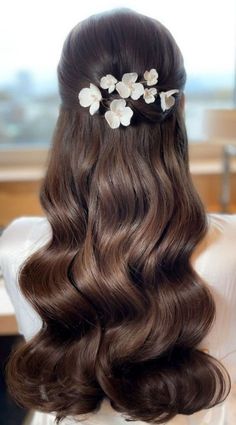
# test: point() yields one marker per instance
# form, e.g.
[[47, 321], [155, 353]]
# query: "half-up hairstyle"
[[123, 310]]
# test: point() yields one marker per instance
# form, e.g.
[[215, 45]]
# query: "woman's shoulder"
[[221, 235], [22, 226], [222, 232], [21, 236], [19, 239], [218, 245], [223, 220], [215, 255]]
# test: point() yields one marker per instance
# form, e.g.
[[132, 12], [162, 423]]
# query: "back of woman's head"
[[123, 309]]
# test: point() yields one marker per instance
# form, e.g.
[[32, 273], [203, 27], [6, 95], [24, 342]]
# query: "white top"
[[214, 259]]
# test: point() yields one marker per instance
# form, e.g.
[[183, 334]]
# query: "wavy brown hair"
[[123, 310]]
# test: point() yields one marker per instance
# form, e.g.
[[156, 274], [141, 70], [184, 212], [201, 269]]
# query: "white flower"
[[149, 95], [90, 97], [108, 82], [127, 87], [119, 113], [167, 100], [151, 77]]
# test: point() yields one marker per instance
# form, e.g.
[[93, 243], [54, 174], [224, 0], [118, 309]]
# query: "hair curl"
[[122, 307]]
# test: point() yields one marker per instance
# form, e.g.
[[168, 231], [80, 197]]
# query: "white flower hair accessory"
[[128, 87], [149, 95], [118, 112], [108, 82], [167, 99], [90, 97], [151, 77]]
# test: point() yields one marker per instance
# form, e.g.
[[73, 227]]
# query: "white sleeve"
[[16, 245]]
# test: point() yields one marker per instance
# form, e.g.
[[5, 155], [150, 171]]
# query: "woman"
[[126, 289]]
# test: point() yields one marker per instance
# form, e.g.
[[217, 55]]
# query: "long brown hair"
[[123, 310]]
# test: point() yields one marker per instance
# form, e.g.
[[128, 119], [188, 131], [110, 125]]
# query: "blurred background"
[[31, 39], [31, 42]]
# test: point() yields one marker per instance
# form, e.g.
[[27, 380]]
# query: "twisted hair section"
[[123, 309]]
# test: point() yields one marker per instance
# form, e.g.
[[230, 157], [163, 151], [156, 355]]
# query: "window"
[[31, 43]]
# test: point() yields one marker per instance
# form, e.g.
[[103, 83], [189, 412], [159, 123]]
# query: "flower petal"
[[108, 82], [137, 91], [149, 99], [123, 90], [85, 98], [112, 119], [152, 91], [95, 92], [112, 78], [111, 88], [146, 75], [126, 116], [164, 106], [94, 107], [104, 83], [154, 75], [170, 92], [151, 77], [167, 100], [129, 77], [117, 105], [149, 95]]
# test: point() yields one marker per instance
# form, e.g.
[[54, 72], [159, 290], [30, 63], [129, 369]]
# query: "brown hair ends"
[[123, 310]]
